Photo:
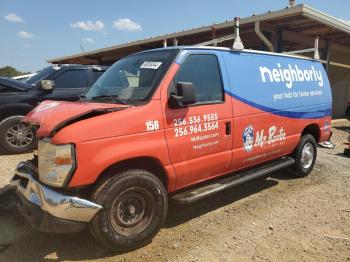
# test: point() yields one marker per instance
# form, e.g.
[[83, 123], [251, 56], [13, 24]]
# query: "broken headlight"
[[56, 163]]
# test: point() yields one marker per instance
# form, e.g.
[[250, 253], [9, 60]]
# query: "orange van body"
[[122, 135], [159, 122]]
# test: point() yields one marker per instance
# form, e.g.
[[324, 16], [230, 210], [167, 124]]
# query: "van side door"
[[199, 136], [265, 127]]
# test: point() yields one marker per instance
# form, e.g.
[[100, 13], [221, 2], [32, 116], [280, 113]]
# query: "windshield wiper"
[[82, 97], [114, 98]]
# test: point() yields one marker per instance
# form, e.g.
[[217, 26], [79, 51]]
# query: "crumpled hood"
[[51, 116], [14, 84]]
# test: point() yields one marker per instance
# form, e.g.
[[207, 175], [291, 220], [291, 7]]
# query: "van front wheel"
[[135, 205], [305, 156]]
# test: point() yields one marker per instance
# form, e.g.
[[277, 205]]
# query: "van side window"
[[204, 73], [76, 78]]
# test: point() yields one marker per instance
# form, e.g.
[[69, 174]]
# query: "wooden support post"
[[175, 42], [279, 40], [328, 55], [213, 35]]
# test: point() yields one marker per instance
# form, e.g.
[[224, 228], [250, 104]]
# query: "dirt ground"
[[275, 219]]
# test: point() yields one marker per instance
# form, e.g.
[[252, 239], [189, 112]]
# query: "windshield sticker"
[[151, 65]]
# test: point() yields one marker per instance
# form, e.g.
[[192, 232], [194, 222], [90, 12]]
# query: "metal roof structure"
[[285, 30]]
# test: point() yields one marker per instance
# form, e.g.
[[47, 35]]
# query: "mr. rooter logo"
[[262, 138]]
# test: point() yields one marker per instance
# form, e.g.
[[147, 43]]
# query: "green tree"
[[10, 71]]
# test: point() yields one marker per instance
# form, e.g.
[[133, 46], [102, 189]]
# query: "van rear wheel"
[[305, 156], [135, 205]]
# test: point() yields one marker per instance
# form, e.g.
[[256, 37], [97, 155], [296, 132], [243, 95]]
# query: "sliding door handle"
[[228, 128]]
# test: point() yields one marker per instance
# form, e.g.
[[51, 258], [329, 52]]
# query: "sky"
[[31, 32]]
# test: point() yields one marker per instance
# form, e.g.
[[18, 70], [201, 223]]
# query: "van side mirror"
[[47, 85], [185, 95]]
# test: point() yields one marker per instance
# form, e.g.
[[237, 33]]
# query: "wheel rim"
[[19, 135], [307, 155], [132, 211]]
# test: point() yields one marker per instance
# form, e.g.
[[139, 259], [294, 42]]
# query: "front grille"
[[31, 167], [23, 182]]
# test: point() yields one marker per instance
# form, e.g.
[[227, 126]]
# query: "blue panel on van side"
[[285, 86]]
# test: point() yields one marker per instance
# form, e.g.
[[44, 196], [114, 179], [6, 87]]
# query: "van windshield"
[[132, 80]]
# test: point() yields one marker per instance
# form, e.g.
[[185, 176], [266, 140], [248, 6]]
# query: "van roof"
[[230, 50]]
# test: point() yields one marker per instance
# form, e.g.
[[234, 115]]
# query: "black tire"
[[135, 205], [10, 143], [305, 156]]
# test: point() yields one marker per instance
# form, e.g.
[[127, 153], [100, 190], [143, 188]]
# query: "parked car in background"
[[23, 78], [17, 98]]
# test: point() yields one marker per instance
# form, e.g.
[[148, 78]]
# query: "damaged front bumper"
[[47, 209]]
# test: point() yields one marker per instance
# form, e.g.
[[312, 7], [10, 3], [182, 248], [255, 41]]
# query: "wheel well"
[[150, 164], [13, 111], [313, 130]]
